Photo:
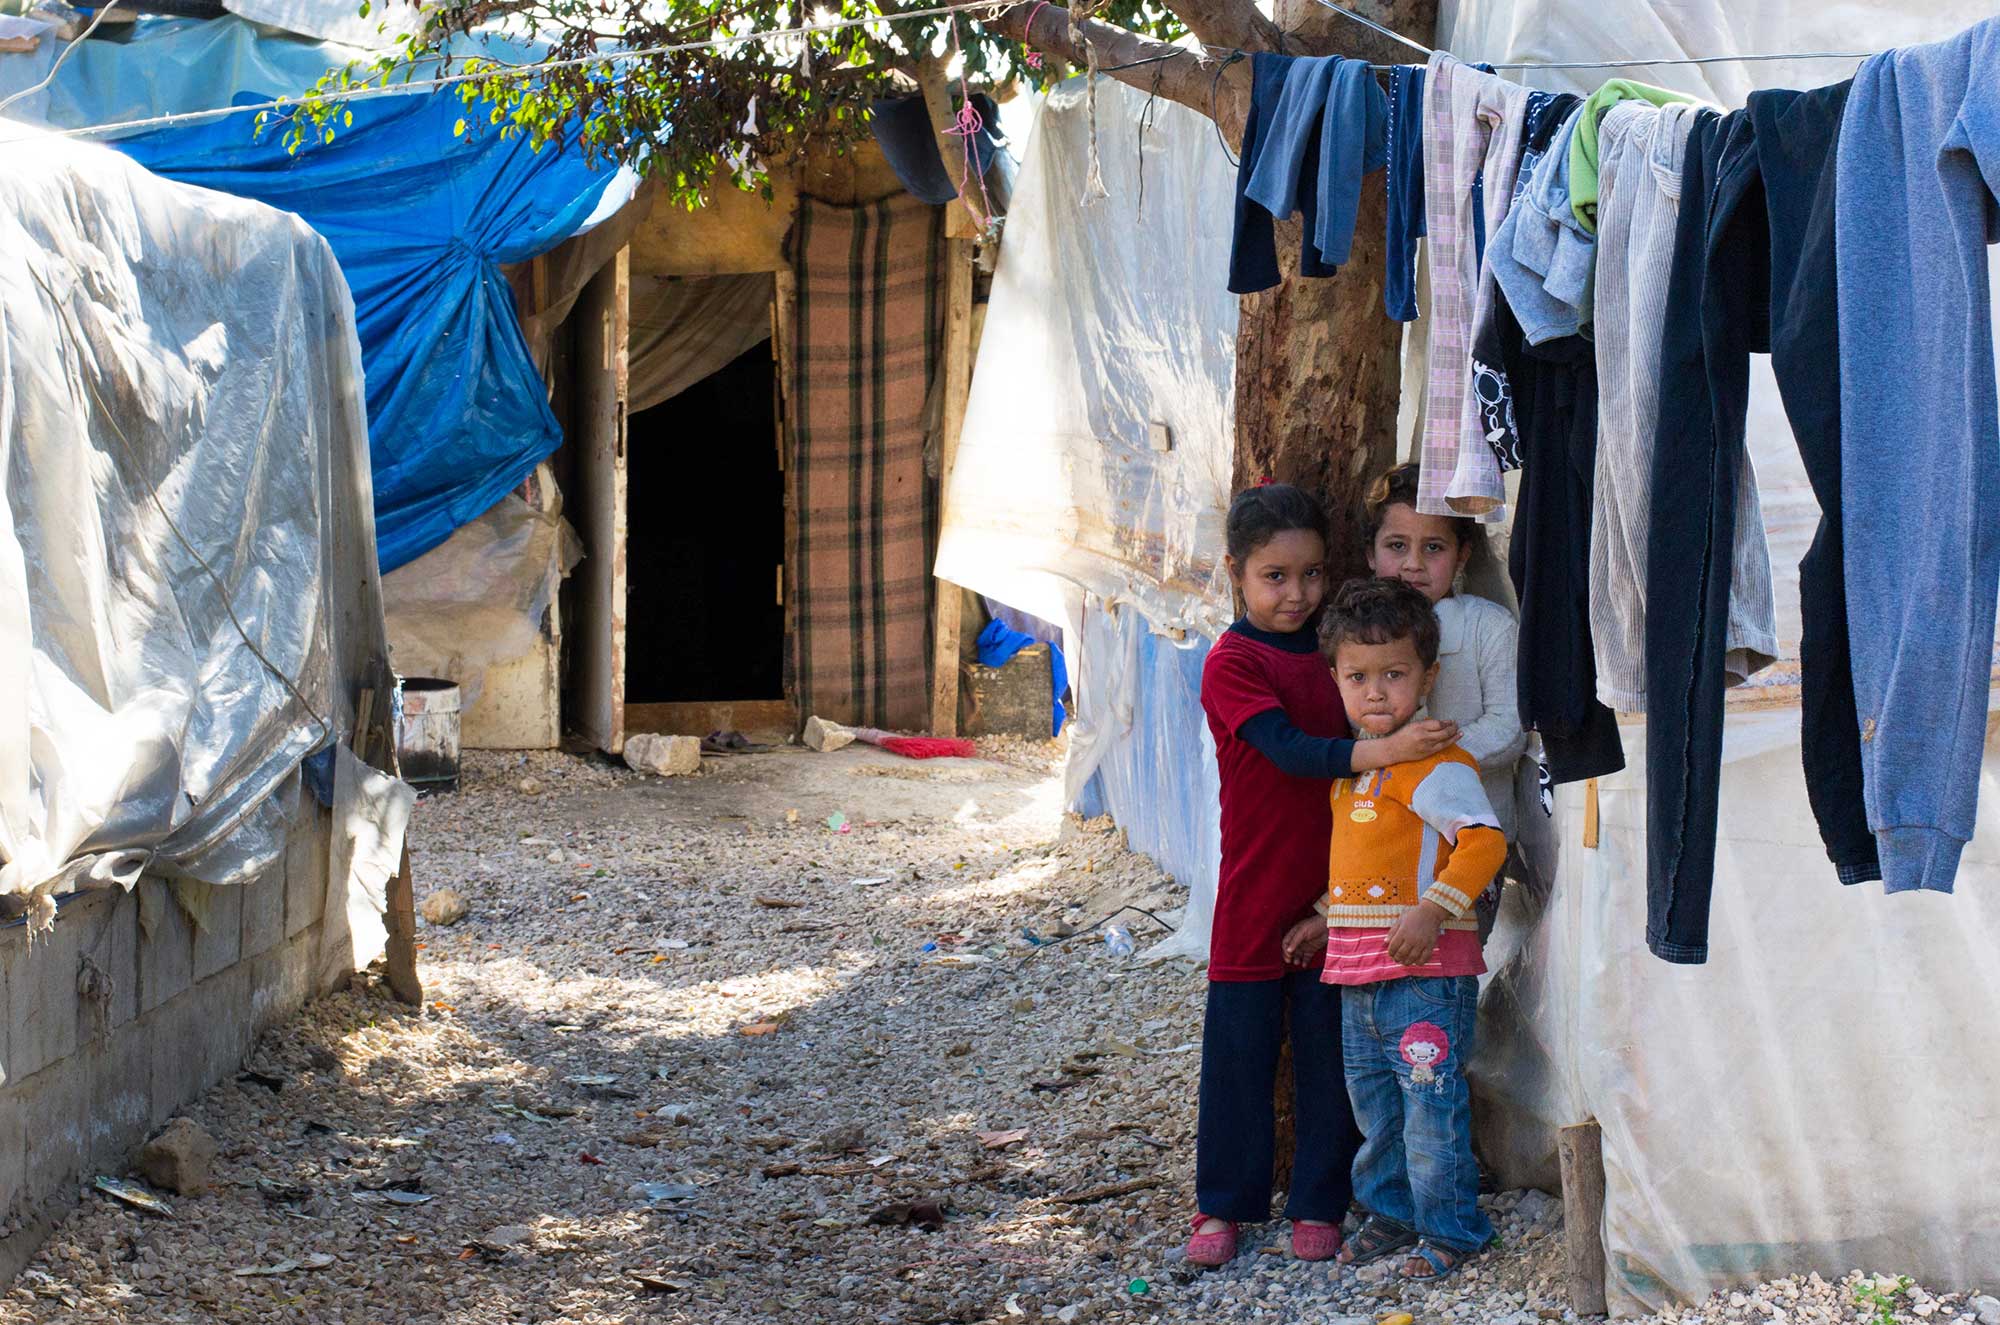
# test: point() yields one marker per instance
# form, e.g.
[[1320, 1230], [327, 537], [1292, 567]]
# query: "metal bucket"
[[427, 733]]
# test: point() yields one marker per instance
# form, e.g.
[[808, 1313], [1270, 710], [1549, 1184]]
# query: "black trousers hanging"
[[1753, 271], [1798, 135]]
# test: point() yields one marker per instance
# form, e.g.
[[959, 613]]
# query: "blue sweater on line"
[[1918, 166]]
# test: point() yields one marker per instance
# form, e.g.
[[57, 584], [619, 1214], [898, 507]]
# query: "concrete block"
[[281, 980], [120, 1068], [228, 1028], [108, 938], [264, 912], [166, 955], [175, 1072], [13, 1148], [218, 938], [41, 992], [668, 756], [306, 867], [55, 1122]]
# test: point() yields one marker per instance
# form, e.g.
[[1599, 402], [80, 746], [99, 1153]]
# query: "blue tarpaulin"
[[421, 220]]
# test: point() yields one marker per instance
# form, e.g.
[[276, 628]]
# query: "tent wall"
[[1110, 315], [1813, 1098], [183, 676]]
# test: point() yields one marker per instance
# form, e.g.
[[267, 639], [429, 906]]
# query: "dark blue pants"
[[1236, 1132], [1753, 272]]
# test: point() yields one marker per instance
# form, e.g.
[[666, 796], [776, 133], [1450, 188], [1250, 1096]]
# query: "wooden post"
[[957, 385], [400, 959], [1581, 1149], [1590, 829]]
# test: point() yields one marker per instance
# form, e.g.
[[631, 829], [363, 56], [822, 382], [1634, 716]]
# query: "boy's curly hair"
[[1380, 612]]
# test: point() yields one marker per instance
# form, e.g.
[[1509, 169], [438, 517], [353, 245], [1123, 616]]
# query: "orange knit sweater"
[[1411, 832]]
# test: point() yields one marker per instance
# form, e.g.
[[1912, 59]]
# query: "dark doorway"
[[706, 542]]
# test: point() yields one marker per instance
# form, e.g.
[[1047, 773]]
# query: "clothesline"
[[1427, 52], [807, 30]]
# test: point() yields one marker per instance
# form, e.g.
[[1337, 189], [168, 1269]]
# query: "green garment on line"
[[1583, 143]]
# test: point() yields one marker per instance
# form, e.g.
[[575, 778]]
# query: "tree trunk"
[[1319, 368], [1318, 364]]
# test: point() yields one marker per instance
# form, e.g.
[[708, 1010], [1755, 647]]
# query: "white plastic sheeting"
[[1814, 1097], [1105, 320], [479, 599], [1108, 318], [188, 595]]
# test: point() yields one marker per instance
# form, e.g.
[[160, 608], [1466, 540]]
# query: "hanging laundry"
[[1315, 127], [1798, 135], [1554, 387], [1543, 261], [1643, 149], [1491, 390], [1918, 165], [1403, 177], [1703, 493], [1472, 131], [1583, 147]]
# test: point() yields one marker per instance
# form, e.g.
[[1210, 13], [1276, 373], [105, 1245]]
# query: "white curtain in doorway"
[[686, 327]]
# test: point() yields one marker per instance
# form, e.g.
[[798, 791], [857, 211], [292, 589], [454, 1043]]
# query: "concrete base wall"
[[84, 1079]]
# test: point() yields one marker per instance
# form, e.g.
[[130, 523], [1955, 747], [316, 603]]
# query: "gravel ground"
[[801, 1038]]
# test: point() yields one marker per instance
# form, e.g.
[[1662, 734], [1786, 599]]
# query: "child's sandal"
[[1209, 1250], [1375, 1239], [1443, 1262]]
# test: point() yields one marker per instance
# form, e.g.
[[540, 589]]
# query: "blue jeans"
[[1235, 1132], [1405, 1043]]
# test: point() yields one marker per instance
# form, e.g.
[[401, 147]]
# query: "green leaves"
[[680, 116]]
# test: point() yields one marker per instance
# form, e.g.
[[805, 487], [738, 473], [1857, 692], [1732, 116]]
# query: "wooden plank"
[[785, 319], [400, 957], [1581, 1150], [364, 714], [598, 664], [1590, 814], [957, 385], [743, 715]]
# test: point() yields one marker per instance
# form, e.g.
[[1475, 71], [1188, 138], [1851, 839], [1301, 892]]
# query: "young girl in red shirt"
[[1281, 737]]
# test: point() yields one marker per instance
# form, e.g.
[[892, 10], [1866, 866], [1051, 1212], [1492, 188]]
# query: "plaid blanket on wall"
[[869, 336]]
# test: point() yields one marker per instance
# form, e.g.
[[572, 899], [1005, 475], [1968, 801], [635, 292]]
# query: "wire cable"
[[67, 50], [1415, 45], [529, 70]]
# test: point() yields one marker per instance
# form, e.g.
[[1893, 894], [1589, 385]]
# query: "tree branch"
[[1238, 24], [1207, 85]]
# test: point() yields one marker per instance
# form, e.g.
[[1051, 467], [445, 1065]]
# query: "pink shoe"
[[1211, 1249], [1315, 1241]]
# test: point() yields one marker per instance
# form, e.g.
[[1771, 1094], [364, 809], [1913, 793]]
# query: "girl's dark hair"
[[1399, 486], [1380, 612], [1261, 513]]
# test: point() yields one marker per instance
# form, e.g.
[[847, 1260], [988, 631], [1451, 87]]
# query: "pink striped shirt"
[[1472, 129], [1361, 957]]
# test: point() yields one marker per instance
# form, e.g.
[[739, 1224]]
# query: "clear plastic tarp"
[[188, 594], [1814, 1097], [1109, 335], [1110, 321], [479, 598]]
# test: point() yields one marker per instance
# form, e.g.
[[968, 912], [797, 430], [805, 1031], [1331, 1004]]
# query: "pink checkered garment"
[[1472, 126]]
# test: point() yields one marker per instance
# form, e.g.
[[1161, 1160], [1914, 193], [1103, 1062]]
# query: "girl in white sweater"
[[1478, 639]]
